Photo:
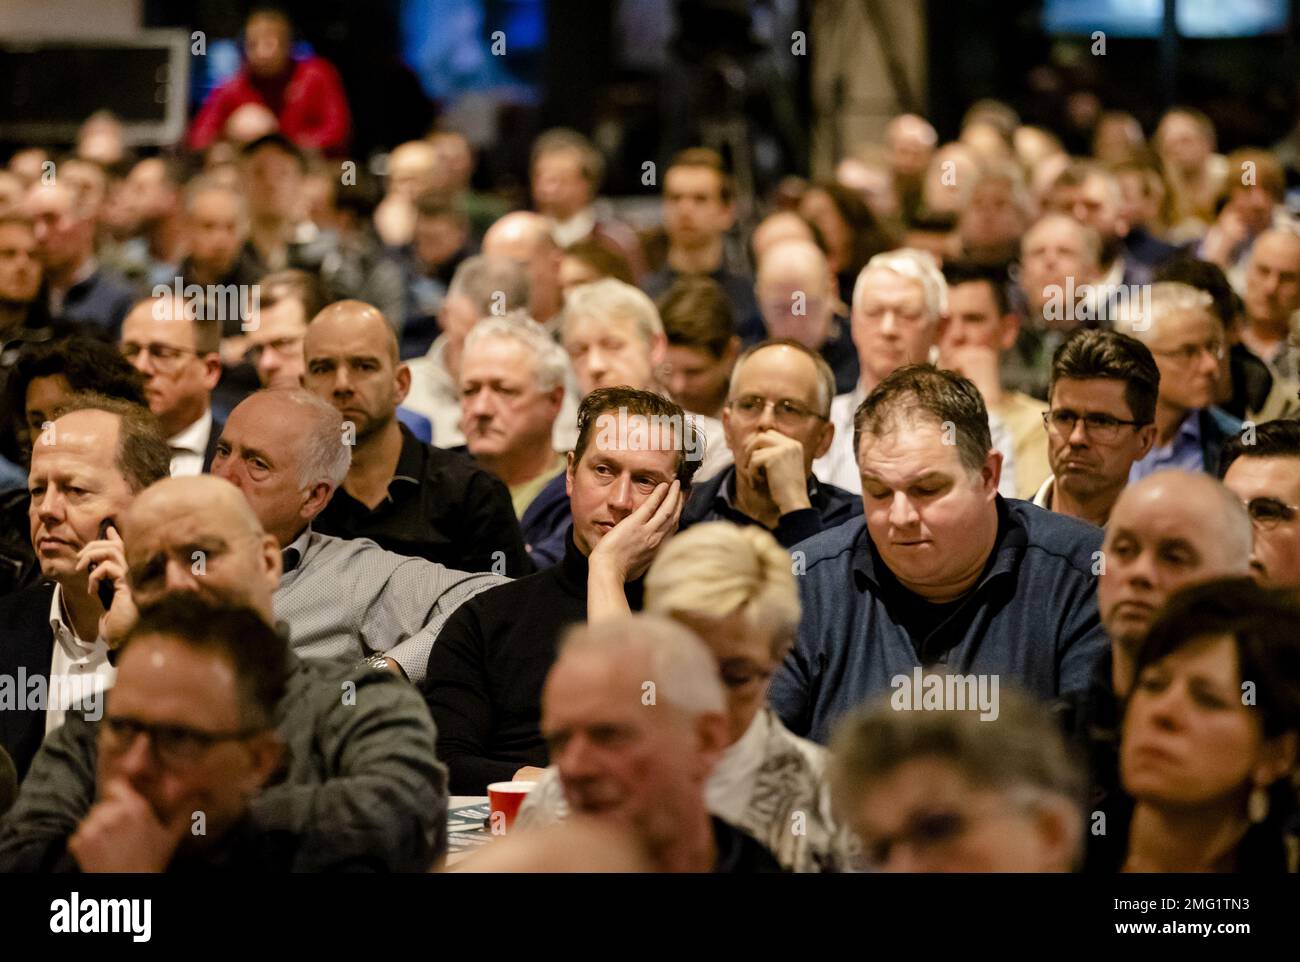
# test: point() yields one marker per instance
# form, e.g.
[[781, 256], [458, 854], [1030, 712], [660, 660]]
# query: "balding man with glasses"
[[1099, 421], [777, 422], [1178, 325], [179, 355]]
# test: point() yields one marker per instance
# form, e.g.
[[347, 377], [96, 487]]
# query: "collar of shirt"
[[1187, 439], [193, 439], [566, 232], [1044, 496], [730, 787], [1008, 545], [66, 636], [293, 553]]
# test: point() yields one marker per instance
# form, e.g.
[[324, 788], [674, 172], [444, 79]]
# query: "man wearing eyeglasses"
[[1179, 327], [1265, 475], [1103, 400], [777, 422], [179, 355]]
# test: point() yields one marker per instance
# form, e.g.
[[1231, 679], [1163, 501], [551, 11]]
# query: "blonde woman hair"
[[715, 569]]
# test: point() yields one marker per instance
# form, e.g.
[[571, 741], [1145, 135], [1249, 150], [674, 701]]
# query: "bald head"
[[795, 261], [359, 319], [412, 168], [784, 225], [198, 535], [518, 236], [1171, 529]]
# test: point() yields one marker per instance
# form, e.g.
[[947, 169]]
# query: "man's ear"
[[1061, 830], [211, 370], [658, 350], [569, 467], [401, 382], [1146, 438], [317, 497], [991, 475], [1010, 330], [824, 441], [711, 736], [555, 398], [266, 750], [272, 560]]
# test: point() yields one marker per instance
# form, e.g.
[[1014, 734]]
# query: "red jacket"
[[310, 105]]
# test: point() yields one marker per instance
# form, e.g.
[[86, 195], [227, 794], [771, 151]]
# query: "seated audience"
[[627, 478], [359, 789], [950, 791], [777, 423], [340, 597], [1099, 421], [942, 570], [641, 764], [1265, 475], [407, 496], [734, 589]]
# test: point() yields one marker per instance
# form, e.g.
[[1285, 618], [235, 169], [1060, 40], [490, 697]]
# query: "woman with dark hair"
[[1209, 737], [851, 232]]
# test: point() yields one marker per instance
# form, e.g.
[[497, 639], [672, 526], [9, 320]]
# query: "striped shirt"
[[348, 598]]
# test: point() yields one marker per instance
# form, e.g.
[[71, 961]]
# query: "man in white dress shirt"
[[87, 467], [899, 303], [181, 361]]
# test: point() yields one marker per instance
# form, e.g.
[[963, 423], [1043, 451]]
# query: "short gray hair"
[[550, 363], [606, 298], [487, 281], [1167, 299], [915, 265], [684, 672], [325, 456]]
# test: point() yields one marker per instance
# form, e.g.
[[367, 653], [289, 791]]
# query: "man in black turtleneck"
[[627, 478]]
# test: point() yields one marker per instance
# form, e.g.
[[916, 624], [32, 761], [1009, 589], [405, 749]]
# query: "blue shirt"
[[1031, 619], [1185, 451]]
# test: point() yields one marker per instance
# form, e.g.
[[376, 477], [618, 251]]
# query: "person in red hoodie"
[[306, 96]]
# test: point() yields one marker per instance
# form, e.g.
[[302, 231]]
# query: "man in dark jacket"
[[626, 478], [360, 786], [943, 571]]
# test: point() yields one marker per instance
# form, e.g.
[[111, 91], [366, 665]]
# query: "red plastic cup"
[[504, 799]]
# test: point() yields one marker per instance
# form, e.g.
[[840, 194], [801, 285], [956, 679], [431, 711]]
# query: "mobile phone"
[[105, 589]]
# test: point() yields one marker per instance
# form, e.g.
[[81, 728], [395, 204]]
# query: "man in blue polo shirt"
[[943, 573]]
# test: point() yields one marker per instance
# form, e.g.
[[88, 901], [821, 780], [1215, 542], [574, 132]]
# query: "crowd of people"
[[941, 516]]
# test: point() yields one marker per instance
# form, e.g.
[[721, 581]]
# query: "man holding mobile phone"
[[87, 466]]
